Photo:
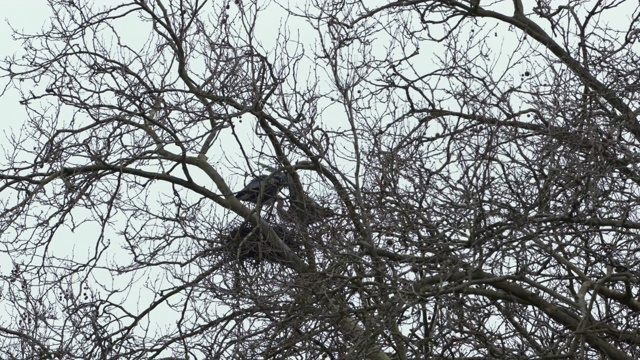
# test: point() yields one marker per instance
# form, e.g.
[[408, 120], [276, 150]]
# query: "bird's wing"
[[255, 183]]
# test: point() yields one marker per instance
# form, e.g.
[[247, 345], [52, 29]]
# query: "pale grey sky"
[[30, 15], [27, 15]]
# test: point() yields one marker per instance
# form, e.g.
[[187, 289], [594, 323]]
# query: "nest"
[[248, 242]]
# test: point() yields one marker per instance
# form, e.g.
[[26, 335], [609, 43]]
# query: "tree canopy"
[[462, 181]]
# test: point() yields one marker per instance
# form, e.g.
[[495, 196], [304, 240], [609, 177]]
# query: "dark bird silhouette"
[[264, 188], [303, 211]]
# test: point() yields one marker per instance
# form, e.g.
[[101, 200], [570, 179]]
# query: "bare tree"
[[461, 181]]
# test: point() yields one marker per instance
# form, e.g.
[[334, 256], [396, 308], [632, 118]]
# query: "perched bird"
[[303, 211], [264, 188]]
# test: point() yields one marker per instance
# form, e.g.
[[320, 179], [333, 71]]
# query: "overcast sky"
[[30, 16], [23, 15]]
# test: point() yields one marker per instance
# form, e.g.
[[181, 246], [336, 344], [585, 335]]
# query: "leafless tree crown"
[[462, 181]]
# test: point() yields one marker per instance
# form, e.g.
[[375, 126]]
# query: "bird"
[[262, 188], [303, 211]]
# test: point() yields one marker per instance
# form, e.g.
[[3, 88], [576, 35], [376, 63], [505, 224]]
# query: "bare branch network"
[[323, 180]]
